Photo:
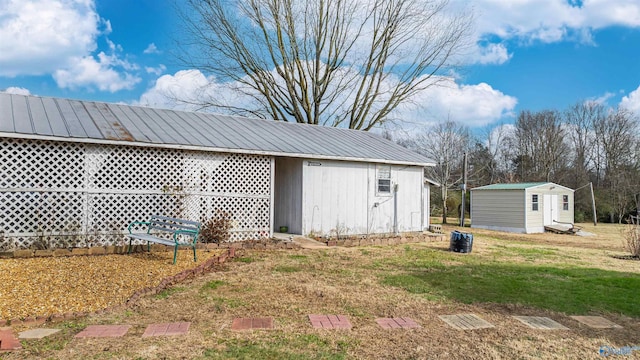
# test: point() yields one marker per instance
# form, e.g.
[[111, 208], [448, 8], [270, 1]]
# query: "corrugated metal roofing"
[[517, 186], [87, 121]]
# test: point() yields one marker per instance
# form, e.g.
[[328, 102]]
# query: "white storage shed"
[[80, 171], [521, 207]]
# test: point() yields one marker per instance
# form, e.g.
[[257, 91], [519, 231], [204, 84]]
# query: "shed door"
[[550, 207]]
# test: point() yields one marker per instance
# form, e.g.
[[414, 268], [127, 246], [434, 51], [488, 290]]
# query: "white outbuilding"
[[521, 207], [80, 171]]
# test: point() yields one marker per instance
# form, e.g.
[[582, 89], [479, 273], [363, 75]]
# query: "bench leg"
[[130, 239], [148, 246], [175, 252], [194, 254]]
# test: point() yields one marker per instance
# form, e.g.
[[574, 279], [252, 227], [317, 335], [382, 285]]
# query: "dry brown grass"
[[289, 285]]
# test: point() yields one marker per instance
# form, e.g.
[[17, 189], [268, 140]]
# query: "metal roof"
[[93, 122], [518, 186]]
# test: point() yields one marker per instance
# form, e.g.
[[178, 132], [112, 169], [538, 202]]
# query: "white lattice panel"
[[40, 164], [87, 193]]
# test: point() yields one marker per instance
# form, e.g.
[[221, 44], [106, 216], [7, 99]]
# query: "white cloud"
[[155, 70], [473, 105], [40, 36], [59, 37], [91, 73], [602, 99], [17, 90], [179, 91], [631, 102], [492, 54], [151, 49], [553, 20]]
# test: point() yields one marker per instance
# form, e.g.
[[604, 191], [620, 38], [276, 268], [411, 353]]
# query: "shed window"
[[565, 202], [384, 179], [534, 202]]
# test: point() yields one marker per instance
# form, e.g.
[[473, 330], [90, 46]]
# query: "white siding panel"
[[334, 197], [535, 219], [342, 196], [426, 206]]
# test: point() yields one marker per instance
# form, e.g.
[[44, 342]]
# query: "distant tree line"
[[587, 142]]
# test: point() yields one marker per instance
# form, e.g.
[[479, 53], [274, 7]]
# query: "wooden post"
[[464, 189]]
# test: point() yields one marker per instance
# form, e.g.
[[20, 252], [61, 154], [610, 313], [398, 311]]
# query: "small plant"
[[216, 229], [631, 240]]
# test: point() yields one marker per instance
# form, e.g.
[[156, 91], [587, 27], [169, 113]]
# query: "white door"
[[550, 207]]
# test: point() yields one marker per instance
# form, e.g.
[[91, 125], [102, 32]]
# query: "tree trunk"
[[444, 203]]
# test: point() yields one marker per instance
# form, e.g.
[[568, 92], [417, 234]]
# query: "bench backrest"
[[169, 224]]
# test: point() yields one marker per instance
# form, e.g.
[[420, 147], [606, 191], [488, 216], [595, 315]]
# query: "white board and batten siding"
[[510, 207], [342, 197]]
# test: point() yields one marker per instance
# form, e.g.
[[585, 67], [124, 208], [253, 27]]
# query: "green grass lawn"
[[483, 279]]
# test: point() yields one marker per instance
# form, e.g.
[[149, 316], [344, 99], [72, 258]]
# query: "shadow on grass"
[[574, 291]]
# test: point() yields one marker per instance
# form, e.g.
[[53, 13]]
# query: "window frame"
[[535, 202], [383, 178], [565, 202]]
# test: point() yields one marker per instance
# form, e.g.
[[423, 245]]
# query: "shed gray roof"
[[517, 186], [86, 121]]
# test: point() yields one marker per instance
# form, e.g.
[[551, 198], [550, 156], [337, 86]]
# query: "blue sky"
[[526, 54]]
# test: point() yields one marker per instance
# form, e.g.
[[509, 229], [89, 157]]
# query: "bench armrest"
[[138, 223]]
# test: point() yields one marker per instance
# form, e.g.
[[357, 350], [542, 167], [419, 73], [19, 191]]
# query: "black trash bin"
[[461, 242]]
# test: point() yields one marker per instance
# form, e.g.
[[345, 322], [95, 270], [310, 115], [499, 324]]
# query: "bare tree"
[[445, 143], [616, 142], [542, 149], [329, 62]]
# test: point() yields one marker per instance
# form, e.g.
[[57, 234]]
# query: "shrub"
[[216, 229], [631, 240]]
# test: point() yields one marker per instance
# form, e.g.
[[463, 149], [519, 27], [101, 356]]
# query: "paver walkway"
[[8, 341], [167, 329], [330, 321], [37, 333], [541, 323], [100, 331], [397, 323], [252, 323], [466, 321], [597, 322]]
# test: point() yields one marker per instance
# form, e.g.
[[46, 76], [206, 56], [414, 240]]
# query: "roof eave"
[[209, 149]]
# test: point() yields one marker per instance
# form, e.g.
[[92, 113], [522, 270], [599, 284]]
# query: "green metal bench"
[[179, 228]]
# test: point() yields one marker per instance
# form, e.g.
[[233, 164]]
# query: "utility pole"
[[463, 187], [593, 205]]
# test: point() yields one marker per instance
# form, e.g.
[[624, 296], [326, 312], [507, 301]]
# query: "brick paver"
[[540, 323], [397, 323], [252, 323], [99, 331], [597, 322], [167, 329], [466, 321], [330, 321], [8, 341]]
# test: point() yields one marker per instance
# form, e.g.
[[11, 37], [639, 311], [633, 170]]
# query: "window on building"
[[534, 202], [565, 202], [384, 179]]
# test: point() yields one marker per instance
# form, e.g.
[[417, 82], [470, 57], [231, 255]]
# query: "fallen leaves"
[[56, 285]]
